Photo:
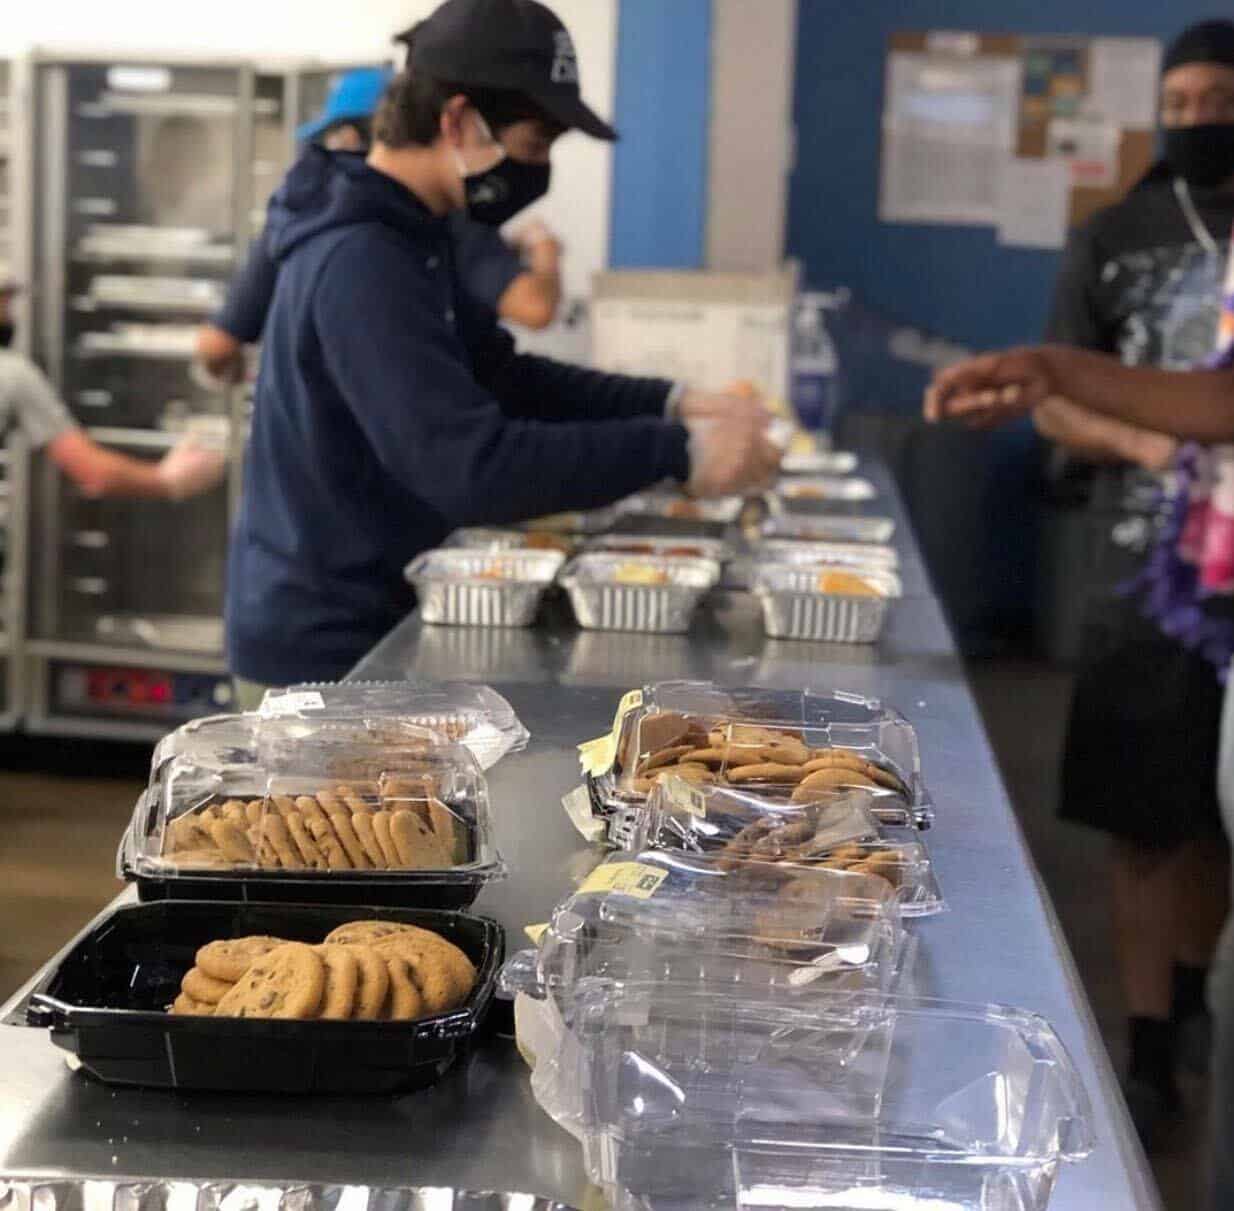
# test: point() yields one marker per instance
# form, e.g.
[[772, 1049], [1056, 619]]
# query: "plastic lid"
[[690, 920], [473, 715], [313, 797], [949, 1100]]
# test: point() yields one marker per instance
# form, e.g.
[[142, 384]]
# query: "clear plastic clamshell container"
[[738, 928], [463, 587], [789, 745], [739, 826], [322, 812], [474, 716], [691, 1100], [649, 593], [824, 604]]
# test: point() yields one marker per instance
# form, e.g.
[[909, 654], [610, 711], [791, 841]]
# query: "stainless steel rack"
[[151, 176], [144, 171]]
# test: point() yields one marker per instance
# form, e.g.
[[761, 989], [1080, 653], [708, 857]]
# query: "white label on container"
[[293, 704]]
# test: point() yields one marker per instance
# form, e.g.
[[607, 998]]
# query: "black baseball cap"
[[518, 45]]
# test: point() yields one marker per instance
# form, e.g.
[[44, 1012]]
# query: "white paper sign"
[[1122, 80], [1090, 146], [948, 124], [1034, 203]]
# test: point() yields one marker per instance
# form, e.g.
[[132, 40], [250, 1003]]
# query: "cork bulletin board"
[[1028, 134]]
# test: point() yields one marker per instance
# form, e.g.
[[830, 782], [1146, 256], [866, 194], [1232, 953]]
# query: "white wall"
[[267, 30]]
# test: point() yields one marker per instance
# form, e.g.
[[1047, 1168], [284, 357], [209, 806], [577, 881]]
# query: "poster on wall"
[[949, 123], [1000, 130]]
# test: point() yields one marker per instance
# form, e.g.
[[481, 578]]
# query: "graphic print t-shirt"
[[1136, 282]]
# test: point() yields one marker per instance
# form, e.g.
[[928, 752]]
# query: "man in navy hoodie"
[[389, 409]]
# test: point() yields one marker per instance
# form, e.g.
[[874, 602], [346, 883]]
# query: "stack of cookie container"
[[302, 873], [722, 1012]]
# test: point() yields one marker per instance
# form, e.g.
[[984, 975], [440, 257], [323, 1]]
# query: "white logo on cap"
[[565, 61]]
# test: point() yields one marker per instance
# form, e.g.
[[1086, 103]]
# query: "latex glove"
[[190, 468], [730, 457], [990, 390], [723, 405]]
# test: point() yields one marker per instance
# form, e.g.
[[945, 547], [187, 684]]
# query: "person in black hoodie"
[[389, 409], [1143, 280]]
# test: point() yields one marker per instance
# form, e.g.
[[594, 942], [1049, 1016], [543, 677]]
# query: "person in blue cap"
[[391, 410], [521, 284]]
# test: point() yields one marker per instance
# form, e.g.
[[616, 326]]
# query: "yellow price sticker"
[[635, 879], [535, 932], [597, 756]]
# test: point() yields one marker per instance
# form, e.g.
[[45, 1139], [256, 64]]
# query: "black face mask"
[[1202, 155], [502, 191]]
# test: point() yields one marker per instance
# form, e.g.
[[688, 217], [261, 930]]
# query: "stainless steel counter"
[[479, 1128]]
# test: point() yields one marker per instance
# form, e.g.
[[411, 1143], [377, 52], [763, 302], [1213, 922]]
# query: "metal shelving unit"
[[144, 171], [13, 457]]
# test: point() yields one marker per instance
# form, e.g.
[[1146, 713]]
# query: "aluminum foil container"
[[830, 528], [840, 554], [603, 602], [659, 503], [810, 494], [793, 608], [819, 462], [148, 1194], [461, 587], [673, 546]]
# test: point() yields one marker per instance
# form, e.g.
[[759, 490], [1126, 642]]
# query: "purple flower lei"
[[1169, 585]]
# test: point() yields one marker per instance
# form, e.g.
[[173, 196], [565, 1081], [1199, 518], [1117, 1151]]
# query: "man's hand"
[[730, 456], [991, 389], [190, 469], [1101, 438], [539, 247]]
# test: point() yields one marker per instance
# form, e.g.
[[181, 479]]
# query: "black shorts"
[[1140, 757]]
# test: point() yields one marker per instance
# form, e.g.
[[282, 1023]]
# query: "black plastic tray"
[[105, 1003], [404, 889]]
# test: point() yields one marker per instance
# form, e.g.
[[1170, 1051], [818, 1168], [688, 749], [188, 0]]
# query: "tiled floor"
[[58, 834]]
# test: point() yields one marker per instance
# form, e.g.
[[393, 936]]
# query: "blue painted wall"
[[663, 104], [957, 282]]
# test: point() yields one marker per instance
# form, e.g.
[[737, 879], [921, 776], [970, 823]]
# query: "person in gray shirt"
[[28, 401]]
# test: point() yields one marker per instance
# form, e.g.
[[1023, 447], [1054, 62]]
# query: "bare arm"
[[97, 471], [1101, 439], [220, 354], [533, 297], [1193, 405]]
